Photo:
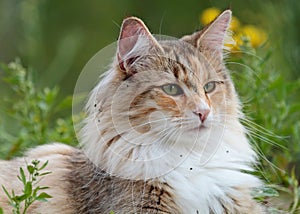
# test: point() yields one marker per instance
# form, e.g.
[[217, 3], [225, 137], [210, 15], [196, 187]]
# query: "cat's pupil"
[[173, 89]]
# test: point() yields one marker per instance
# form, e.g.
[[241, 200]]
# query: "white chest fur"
[[202, 188]]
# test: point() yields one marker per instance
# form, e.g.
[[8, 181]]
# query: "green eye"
[[210, 87], [172, 89]]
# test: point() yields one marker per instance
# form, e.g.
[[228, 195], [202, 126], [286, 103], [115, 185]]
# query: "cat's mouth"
[[200, 128]]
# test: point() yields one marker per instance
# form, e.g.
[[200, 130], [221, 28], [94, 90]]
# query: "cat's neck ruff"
[[202, 170], [207, 186]]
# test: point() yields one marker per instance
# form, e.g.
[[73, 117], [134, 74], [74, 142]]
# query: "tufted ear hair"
[[212, 37], [134, 41]]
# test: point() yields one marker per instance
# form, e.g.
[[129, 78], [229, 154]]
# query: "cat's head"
[[162, 100]]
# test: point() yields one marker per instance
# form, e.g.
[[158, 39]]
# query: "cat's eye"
[[210, 87], [172, 89]]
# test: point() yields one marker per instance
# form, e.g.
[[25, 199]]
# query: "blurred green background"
[[55, 39]]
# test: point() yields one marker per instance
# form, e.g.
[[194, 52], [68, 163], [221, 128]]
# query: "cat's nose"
[[202, 113]]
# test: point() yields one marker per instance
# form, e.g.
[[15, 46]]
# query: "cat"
[[162, 134]]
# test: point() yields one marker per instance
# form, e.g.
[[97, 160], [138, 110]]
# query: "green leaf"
[[28, 189], [35, 162], [30, 169], [43, 197], [42, 188], [13, 193], [23, 177], [44, 173], [6, 192], [19, 198], [1, 211], [43, 166], [34, 192]]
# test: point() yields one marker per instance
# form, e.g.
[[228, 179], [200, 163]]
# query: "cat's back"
[[58, 157], [78, 186]]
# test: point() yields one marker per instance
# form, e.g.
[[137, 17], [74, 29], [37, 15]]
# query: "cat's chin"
[[198, 129]]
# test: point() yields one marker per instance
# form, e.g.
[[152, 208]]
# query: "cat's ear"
[[212, 37], [134, 41]]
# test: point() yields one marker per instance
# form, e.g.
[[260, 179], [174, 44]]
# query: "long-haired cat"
[[162, 134]]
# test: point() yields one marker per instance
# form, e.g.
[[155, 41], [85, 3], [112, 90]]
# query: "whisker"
[[259, 128], [257, 131], [261, 154], [248, 67], [249, 53]]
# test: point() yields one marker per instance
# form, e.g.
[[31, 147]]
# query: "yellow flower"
[[255, 35], [237, 42], [241, 34], [235, 24], [209, 15]]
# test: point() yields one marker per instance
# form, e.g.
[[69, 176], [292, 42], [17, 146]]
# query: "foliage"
[[36, 113], [31, 191], [270, 101]]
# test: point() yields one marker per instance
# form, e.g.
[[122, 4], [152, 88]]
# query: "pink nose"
[[203, 113]]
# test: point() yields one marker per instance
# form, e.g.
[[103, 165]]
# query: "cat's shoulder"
[[56, 149]]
